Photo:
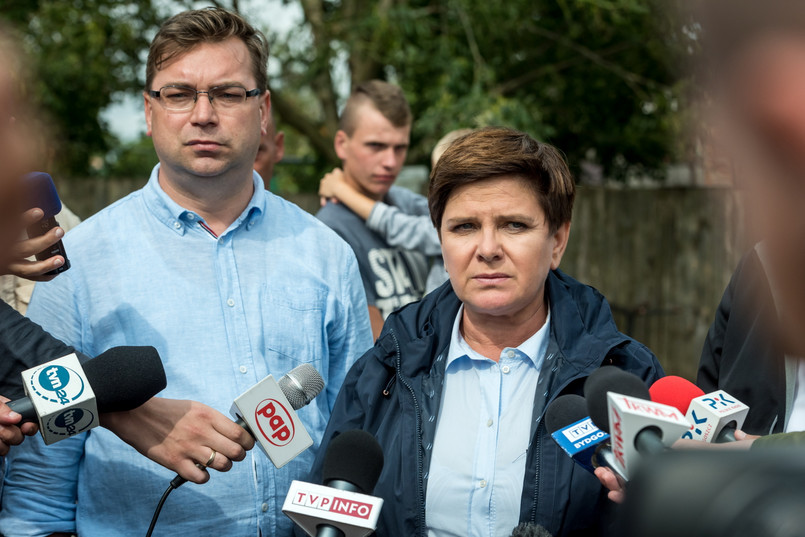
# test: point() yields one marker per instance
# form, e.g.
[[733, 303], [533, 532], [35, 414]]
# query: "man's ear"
[[341, 143], [147, 108], [265, 109], [279, 144]]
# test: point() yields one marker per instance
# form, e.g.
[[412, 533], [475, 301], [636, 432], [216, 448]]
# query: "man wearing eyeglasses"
[[227, 281]]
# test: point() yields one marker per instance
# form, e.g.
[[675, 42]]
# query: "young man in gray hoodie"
[[372, 143]]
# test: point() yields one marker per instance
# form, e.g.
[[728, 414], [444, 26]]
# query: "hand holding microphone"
[[44, 233]]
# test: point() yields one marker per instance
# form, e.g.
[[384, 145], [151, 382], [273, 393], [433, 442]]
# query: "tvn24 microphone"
[[619, 403], [42, 194], [342, 507], [64, 396], [713, 417]]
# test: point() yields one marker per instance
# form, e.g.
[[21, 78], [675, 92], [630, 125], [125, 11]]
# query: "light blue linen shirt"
[[483, 430], [277, 289]]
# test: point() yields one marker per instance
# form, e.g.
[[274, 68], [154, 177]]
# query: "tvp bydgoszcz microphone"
[[268, 412], [637, 425], [42, 194], [64, 397], [342, 507], [566, 418]]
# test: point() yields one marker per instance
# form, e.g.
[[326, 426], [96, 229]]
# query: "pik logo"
[[275, 422], [71, 422], [694, 427], [57, 384], [718, 402]]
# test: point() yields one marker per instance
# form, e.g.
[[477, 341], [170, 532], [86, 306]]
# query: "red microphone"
[[675, 391]]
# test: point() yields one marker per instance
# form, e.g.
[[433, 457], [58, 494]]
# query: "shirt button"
[[264, 507], [489, 423], [230, 303], [191, 216], [510, 354], [177, 225], [505, 369], [482, 484], [243, 369]]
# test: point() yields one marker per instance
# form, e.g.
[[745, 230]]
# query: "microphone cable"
[[176, 482]]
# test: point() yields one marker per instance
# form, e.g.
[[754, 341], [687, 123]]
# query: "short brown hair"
[[387, 98], [182, 32], [496, 152]]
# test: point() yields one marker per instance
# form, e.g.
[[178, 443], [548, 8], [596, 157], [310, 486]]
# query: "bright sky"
[[126, 116]]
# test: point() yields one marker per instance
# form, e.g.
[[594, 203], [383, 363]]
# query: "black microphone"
[[65, 397], [343, 505], [42, 194], [526, 529]]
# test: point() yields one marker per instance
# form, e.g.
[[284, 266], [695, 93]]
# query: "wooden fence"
[[662, 256]]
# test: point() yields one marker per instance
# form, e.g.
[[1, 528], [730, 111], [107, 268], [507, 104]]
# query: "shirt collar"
[[178, 218], [533, 348]]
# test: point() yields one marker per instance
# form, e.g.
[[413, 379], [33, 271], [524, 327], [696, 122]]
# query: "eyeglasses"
[[181, 98]]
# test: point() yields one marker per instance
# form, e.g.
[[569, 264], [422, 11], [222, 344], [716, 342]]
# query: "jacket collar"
[[582, 327]]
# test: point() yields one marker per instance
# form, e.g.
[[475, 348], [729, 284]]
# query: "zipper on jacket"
[[420, 471], [537, 455], [389, 385]]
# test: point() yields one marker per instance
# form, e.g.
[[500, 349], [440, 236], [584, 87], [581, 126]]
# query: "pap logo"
[[275, 422]]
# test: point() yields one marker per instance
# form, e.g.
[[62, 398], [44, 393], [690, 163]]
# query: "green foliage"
[[86, 52], [132, 160]]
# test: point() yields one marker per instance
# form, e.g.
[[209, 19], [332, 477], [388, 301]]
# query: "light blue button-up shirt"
[[478, 463], [277, 289]]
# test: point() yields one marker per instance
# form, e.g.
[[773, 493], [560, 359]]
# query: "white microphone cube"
[[708, 415], [273, 421], [310, 506], [62, 397], [630, 415]]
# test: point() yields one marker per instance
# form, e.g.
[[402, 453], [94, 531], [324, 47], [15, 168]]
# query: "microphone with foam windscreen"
[[342, 507], [570, 427], [64, 396], [526, 529], [619, 403], [42, 194], [713, 417]]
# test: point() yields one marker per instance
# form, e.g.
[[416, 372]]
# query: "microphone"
[[267, 412], [638, 426], [675, 391], [713, 417], [64, 397], [342, 507], [566, 419], [526, 529], [42, 194]]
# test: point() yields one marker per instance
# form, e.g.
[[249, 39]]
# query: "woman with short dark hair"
[[457, 384]]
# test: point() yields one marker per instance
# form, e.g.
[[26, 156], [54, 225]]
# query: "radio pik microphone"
[[65, 397], [675, 391], [342, 507], [713, 417], [638, 426], [42, 194]]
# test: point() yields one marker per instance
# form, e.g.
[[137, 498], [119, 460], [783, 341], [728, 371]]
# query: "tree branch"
[[320, 140]]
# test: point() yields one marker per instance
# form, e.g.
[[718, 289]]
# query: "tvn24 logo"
[[71, 422], [57, 384]]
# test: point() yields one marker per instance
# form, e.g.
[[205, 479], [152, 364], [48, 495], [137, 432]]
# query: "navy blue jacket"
[[394, 392]]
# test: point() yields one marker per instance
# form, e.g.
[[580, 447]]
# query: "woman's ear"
[[560, 238]]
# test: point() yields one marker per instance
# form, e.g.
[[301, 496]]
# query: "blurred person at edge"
[[270, 151], [457, 384], [227, 281], [753, 73]]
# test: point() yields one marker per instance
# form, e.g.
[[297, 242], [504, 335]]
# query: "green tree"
[[86, 52], [595, 77]]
